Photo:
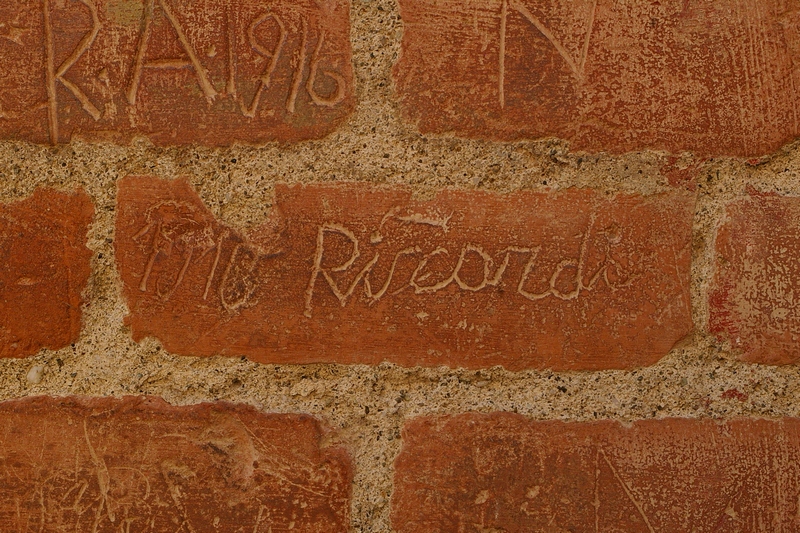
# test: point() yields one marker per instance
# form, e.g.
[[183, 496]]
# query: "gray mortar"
[[368, 405]]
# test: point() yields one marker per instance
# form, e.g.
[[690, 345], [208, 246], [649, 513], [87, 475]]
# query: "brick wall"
[[399, 266]]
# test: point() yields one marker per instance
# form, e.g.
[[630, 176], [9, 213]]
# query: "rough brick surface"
[[710, 76], [44, 267], [353, 273], [138, 464], [486, 473], [753, 302], [178, 71]]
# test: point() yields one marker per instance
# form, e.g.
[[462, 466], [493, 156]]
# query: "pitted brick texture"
[[753, 303]]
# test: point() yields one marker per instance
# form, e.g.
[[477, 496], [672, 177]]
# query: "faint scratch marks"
[[168, 472], [628, 492], [14, 34], [596, 502], [103, 480]]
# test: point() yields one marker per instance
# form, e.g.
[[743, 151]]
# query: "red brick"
[[709, 76], [753, 301], [620, 266], [176, 71], [502, 472], [44, 267], [138, 464]]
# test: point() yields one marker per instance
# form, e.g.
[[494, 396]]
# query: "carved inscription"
[[363, 270], [566, 282], [501, 472], [607, 76], [44, 267], [176, 71], [138, 464], [576, 65], [753, 303]]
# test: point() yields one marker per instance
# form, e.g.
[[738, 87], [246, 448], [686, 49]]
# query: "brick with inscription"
[[44, 267], [355, 273], [708, 76], [139, 464], [176, 71], [754, 298], [478, 473]]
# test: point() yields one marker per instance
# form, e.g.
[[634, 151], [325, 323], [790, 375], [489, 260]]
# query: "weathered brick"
[[176, 71], [139, 464], [710, 76], [502, 472], [754, 299], [353, 273], [44, 267]]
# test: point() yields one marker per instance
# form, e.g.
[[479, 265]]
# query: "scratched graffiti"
[[502, 472], [602, 74], [564, 280], [407, 252], [177, 237], [138, 464], [577, 65], [177, 71]]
